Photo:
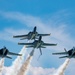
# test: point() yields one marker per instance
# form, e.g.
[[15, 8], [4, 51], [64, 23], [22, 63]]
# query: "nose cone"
[[20, 54]]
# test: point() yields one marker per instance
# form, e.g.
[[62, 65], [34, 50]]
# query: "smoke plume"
[[26, 64], [62, 68], [18, 62], [1, 65]]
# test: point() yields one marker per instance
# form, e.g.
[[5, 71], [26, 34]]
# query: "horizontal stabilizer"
[[29, 46], [43, 47], [25, 43], [11, 53], [64, 57], [23, 38], [8, 57]]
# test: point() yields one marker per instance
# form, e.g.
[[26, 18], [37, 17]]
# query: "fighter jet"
[[4, 52], [31, 35], [37, 44], [69, 54]]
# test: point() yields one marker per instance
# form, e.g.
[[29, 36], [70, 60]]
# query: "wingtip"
[[52, 53], [49, 34], [56, 44], [20, 54], [18, 43], [10, 58], [13, 36]]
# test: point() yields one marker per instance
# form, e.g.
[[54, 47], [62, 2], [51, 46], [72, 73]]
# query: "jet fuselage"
[[37, 44], [71, 53], [32, 35], [3, 52]]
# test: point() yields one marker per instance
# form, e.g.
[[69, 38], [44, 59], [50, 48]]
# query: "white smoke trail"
[[1, 65], [18, 62], [62, 68], [26, 64], [7, 70]]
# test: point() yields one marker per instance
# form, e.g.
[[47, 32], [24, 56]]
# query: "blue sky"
[[50, 16]]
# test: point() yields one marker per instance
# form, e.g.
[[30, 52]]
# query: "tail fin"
[[40, 37], [34, 30], [65, 49], [40, 53]]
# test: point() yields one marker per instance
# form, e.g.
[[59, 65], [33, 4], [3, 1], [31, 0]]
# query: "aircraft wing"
[[44, 34], [25, 43], [61, 53], [11, 53], [18, 36], [47, 44]]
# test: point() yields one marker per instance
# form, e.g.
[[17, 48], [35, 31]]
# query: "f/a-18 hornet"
[[37, 44], [69, 54], [31, 35], [4, 52]]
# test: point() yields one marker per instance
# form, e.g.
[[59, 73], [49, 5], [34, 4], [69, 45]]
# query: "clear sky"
[[50, 16]]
